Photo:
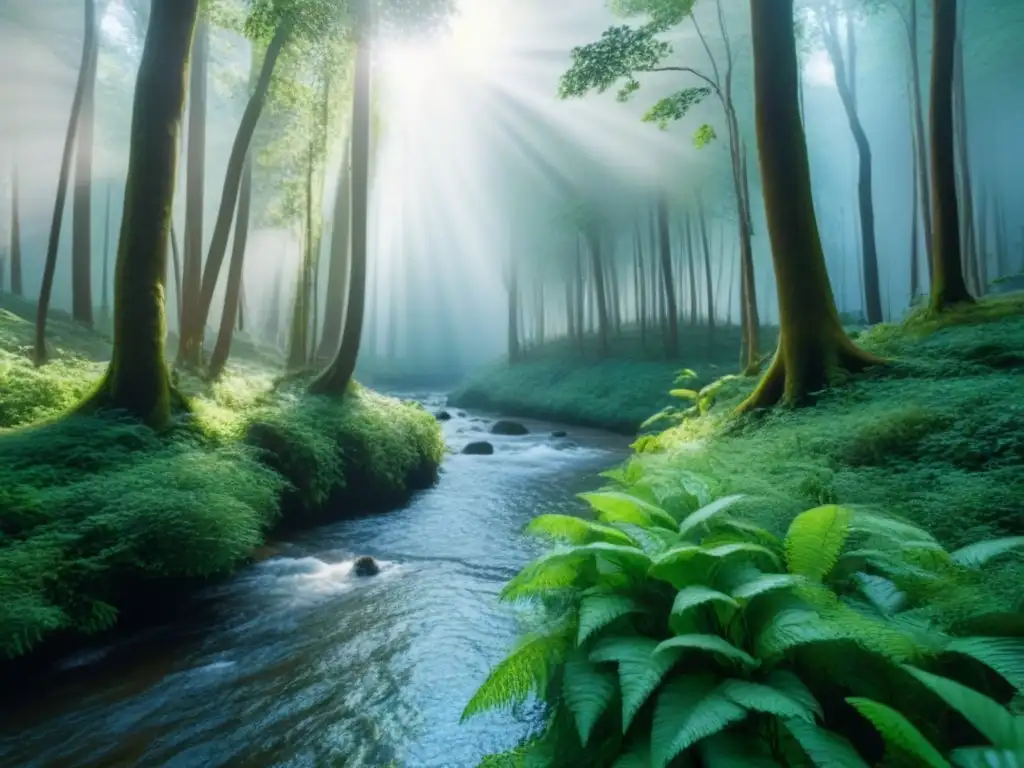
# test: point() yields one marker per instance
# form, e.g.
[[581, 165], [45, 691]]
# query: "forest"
[[415, 383]]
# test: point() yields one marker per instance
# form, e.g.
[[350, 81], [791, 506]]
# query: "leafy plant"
[[680, 633], [702, 399]]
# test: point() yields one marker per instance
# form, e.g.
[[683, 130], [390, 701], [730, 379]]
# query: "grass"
[[98, 515]]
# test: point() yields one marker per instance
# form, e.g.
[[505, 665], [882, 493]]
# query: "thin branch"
[[691, 70]]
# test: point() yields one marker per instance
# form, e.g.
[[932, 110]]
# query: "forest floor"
[[101, 517], [936, 437]]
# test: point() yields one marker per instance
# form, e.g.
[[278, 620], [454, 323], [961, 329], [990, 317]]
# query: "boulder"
[[559, 433], [442, 416], [511, 428], [478, 448], [461, 414], [365, 566]]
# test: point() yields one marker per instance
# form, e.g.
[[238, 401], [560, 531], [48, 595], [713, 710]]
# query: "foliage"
[[686, 630], [98, 513]]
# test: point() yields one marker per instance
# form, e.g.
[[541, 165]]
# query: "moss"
[[99, 514]]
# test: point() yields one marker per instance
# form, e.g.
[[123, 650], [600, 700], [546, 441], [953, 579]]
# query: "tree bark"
[[337, 276], [968, 233], [921, 147], [50, 267], [176, 271], [597, 266], [336, 377], [137, 380], [692, 270], [105, 285], [190, 337], [915, 272], [948, 285], [708, 279], [81, 236], [665, 250], [813, 347], [16, 274]]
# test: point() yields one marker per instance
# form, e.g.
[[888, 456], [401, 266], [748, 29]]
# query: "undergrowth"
[[96, 510]]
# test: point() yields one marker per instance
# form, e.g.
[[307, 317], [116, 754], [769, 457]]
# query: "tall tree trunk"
[[233, 180], [16, 278], [915, 272], [969, 244], [948, 285], [846, 77], [233, 290], [81, 227], [750, 319], [176, 269], [641, 289], [921, 146], [105, 285], [50, 267], [581, 294], [337, 275], [272, 326], [336, 377], [812, 344], [297, 329], [665, 249], [570, 310], [708, 279], [137, 379], [190, 332], [597, 267], [692, 270]]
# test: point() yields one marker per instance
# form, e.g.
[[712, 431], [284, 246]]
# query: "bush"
[[680, 630]]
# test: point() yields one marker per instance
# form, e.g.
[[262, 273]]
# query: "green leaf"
[[689, 708], [1004, 655], [990, 719], [576, 530], [793, 627], [767, 582], [587, 690], [676, 106], [638, 756], [690, 597], [620, 507], [980, 553], [712, 643], [599, 610], [815, 539], [654, 541], [791, 685], [730, 750], [825, 749], [629, 557], [750, 530], [765, 698], [686, 394], [553, 571], [640, 669], [706, 513], [899, 733], [987, 757], [724, 550]]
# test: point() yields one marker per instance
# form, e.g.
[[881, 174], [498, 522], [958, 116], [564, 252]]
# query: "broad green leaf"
[[882, 593], [751, 531], [824, 748], [576, 530], [764, 698], [688, 709], [980, 553], [685, 394], [599, 610], [1004, 655], [987, 757], [815, 540], [552, 571], [640, 669], [620, 507], [898, 531], [654, 541], [587, 690], [730, 750], [790, 628], [766, 582], [629, 557], [899, 733], [690, 597], [707, 512], [791, 685], [724, 550], [712, 643], [990, 719], [638, 756]]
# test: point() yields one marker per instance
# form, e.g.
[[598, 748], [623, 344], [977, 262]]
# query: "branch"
[[696, 73]]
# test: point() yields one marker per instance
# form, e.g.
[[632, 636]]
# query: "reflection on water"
[[298, 662]]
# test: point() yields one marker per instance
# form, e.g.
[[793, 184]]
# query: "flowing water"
[[295, 661]]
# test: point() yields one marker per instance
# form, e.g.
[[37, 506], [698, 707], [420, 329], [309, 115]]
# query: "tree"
[[137, 379], [16, 282], [85, 71], [948, 286], [338, 265], [813, 347], [81, 236]]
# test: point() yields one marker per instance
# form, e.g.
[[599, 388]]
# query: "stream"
[[295, 661]]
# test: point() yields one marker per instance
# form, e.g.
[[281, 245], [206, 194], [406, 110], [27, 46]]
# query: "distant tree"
[[81, 232], [16, 281], [813, 347]]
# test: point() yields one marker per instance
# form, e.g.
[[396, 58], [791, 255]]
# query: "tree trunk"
[[16, 279], [336, 377], [845, 76], [812, 344], [137, 379], [190, 332], [105, 285], [921, 147], [233, 180], [708, 279], [233, 290], [692, 270], [969, 244], [641, 289], [948, 286], [665, 249], [81, 232], [176, 269], [513, 310], [581, 293], [597, 265], [272, 326], [915, 272], [337, 275], [750, 319], [50, 267]]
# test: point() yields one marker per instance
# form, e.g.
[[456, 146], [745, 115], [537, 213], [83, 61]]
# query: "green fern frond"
[[982, 552], [793, 627], [707, 512], [815, 539], [653, 541], [756, 697], [587, 691], [630, 558], [791, 685], [576, 530], [766, 582], [524, 671], [690, 597], [899, 733], [890, 528], [640, 669], [638, 756], [991, 720], [712, 643], [882, 593], [987, 757], [732, 750], [553, 571], [689, 708], [599, 610], [824, 748], [751, 531], [725, 550], [620, 507], [1003, 655]]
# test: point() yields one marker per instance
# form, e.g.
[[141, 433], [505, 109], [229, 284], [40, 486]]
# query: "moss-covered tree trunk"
[[338, 267], [948, 286], [189, 338], [137, 380], [233, 290], [50, 265], [16, 279], [81, 227], [813, 347], [334, 380]]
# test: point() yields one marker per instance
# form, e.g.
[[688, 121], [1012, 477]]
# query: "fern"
[[979, 554], [640, 670], [987, 757], [553, 571], [899, 733], [765, 698], [711, 643], [619, 507], [815, 539], [576, 530], [825, 749], [587, 690], [689, 709], [1003, 655], [706, 513], [691, 597], [766, 582], [599, 610]]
